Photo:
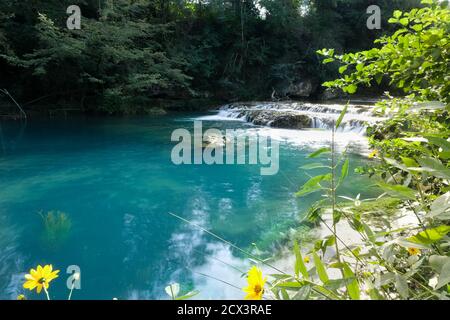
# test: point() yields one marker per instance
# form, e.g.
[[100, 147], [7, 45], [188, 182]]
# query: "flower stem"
[[46, 292], [71, 290]]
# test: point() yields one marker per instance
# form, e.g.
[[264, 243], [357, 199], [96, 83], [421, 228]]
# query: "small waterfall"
[[298, 115]]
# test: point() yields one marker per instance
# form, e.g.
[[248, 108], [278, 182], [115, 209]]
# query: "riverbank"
[[156, 107], [390, 214]]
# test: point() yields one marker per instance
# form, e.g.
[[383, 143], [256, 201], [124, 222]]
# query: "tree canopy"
[[129, 52]]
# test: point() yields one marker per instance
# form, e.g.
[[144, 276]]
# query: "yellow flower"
[[21, 297], [413, 251], [40, 278], [373, 154], [255, 288], [306, 259]]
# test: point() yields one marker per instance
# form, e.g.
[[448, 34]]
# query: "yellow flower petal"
[[47, 269], [29, 277], [40, 278], [30, 285], [33, 273], [255, 288]]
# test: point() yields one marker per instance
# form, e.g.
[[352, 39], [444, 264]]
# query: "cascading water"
[[312, 123], [321, 116]]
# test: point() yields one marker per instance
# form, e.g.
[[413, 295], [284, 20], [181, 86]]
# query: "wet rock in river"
[[277, 119]]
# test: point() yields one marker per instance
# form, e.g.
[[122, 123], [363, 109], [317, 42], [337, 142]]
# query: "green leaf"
[[417, 27], [337, 215], [284, 294], [331, 240], [440, 142], [396, 164], [344, 170], [351, 88], [402, 286], [440, 208], [444, 276], [352, 287], [320, 268], [336, 284], [408, 244], [399, 191], [409, 162], [313, 184], [430, 236], [379, 78], [299, 264], [188, 295], [441, 265], [397, 14], [341, 116], [290, 285], [434, 167], [317, 153], [343, 69], [438, 262], [368, 231], [392, 20], [312, 166], [404, 21], [303, 293]]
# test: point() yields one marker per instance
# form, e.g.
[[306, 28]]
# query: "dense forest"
[[129, 54], [360, 209]]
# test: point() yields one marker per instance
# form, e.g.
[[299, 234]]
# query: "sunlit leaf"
[[344, 170], [303, 293], [313, 185], [351, 88], [317, 153], [353, 286], [320, 268], [299, 264], [430, 236], [341, 116], [440, 208], [399, 191]]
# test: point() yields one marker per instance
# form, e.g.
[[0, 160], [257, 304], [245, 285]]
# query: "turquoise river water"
[[115, 181]]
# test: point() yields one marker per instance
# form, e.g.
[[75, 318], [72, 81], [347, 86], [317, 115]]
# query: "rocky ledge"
[[277, 119]]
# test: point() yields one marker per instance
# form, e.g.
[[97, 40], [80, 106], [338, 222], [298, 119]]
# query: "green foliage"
[[415, 58], [412, 148], [127, 54]]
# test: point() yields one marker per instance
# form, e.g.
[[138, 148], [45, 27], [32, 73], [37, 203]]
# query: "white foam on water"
[[313, 138], [222, 115], [351, 132]]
